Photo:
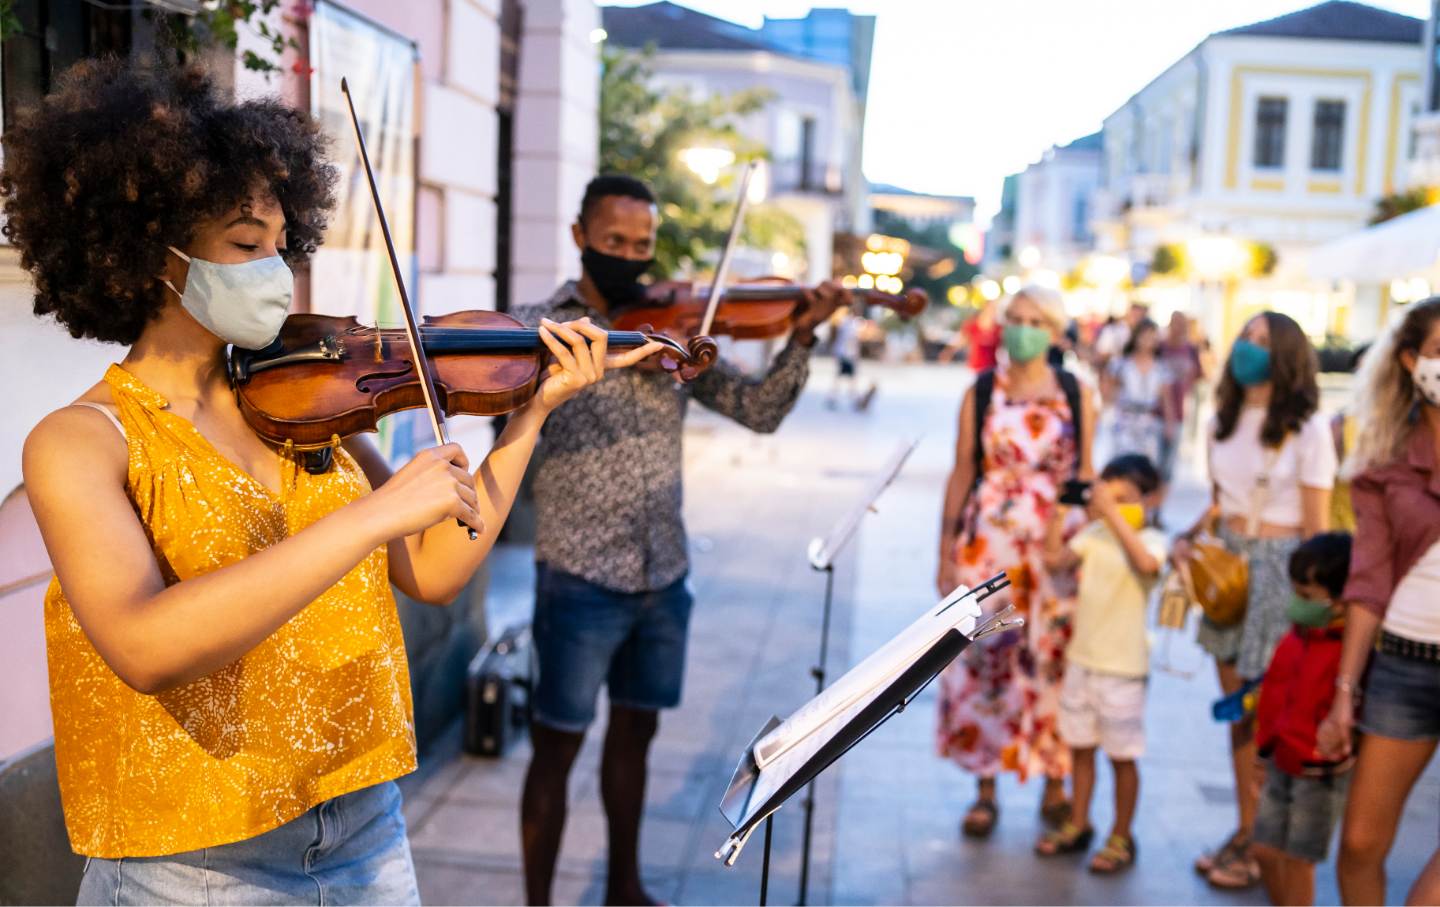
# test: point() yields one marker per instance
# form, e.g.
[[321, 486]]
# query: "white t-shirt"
[[1140, 390], [1412, 612], [847, 338], [1109, 635], [1306, 458], [1112, 339]]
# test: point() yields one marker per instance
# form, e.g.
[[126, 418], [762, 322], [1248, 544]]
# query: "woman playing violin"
[[229, 686]]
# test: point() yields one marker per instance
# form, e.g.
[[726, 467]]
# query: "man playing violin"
[[611, 603]]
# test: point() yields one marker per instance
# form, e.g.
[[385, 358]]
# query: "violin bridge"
[[379, 346]]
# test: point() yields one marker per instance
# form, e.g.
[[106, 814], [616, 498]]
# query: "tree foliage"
[[1398, 203], [643, 130]]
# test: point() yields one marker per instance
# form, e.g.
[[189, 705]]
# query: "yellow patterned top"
[[320, 708]]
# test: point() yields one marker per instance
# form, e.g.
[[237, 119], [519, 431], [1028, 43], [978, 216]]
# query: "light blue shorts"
[[349, 850]]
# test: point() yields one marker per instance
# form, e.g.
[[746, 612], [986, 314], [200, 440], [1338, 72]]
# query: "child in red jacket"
[[1304, 795]]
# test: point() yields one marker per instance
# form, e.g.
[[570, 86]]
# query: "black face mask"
[[617, 279]]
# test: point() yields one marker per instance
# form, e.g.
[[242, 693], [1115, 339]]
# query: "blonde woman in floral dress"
[[998, 704]]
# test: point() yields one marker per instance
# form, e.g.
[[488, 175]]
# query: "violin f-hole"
[[382, 376]]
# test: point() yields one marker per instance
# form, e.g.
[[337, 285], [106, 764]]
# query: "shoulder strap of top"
[[984, 390], [105, 411], [1070, 385]]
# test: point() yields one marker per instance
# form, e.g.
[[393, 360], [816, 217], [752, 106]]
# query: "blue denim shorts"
[[1297, 815], [1402, 698], [348, 850], [586, 635]]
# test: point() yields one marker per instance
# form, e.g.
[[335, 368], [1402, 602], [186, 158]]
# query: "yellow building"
[[1282, 133]]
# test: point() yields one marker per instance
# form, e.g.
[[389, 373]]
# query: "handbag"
[[1218, 580]]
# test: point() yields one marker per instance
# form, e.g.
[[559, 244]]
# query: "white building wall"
[[556, 141]]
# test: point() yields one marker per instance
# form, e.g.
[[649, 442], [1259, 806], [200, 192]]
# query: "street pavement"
[[887, 816]]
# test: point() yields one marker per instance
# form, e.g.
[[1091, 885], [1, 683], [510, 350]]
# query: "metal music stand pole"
[[822, 558], [765, 863]]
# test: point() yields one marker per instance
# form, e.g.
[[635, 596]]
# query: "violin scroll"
[[686, 361]]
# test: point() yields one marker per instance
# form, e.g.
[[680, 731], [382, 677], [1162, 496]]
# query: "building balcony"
[[806, 177], [1425, 168]]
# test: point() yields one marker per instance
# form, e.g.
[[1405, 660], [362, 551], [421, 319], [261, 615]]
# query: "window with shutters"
[[1327, 142], [1270, 115]]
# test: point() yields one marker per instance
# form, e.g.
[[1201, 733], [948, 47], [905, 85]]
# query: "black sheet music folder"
[[771, 771]]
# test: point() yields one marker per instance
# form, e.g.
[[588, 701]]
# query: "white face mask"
[[1427, 378], [244, 304]]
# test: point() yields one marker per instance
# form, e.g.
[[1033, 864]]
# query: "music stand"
[[822, 554], [786, 756]]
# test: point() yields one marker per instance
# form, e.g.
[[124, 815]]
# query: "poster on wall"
[[350, 273]]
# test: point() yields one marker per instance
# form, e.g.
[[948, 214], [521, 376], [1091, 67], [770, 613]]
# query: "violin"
[[327, 376], [754, 311]]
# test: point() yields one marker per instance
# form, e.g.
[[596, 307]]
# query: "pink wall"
[[24, 575]]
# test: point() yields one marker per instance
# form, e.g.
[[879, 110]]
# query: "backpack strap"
[[1070, 385], [984, 390]]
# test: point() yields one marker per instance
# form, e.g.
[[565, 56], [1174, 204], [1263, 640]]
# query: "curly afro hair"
[[122, 160]]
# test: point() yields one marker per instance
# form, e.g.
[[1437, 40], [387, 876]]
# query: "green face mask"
[[1025, 343], [1307, 612]]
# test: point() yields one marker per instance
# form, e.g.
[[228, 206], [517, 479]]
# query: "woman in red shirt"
[[1394, 591]]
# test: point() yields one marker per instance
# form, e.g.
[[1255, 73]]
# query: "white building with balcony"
[[1053, 198], [1284, 132], [817, 70]]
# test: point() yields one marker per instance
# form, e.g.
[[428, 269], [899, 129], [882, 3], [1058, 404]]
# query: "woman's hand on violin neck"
[[435, 486], [581, 356]]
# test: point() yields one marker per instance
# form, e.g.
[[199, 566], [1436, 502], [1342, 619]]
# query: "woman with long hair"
[[1272, 466], [1394, 597], [1138, 387], [228, 681], [999, 705]]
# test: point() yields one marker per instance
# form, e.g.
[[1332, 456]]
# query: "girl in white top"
[[1272, 466]]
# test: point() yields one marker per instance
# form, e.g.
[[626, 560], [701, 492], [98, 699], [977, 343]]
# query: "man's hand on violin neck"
[[821, 301]]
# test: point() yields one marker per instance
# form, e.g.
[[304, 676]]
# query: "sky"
[[963, 92]]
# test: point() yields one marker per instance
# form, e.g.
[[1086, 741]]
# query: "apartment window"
[[1270, 132], [807, 153], [1327, 143], [54, 34]]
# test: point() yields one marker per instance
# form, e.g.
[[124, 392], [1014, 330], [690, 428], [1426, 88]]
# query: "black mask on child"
[[617, 279]]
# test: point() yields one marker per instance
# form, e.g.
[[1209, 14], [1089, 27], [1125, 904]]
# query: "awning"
[[1398, 248]]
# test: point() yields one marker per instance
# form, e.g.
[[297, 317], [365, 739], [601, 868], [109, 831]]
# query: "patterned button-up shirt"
[[608, 487]]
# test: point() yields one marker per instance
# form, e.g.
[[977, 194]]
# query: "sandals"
[[1118, 854], [1239, 872], [1237, 843], [1057, 814], [980, 819], [1068, 838]]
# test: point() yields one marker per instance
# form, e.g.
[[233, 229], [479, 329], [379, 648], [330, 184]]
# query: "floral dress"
[[999, 702]]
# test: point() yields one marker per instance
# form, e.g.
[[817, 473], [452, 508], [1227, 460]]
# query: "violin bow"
[[412, 330], [722, 269]]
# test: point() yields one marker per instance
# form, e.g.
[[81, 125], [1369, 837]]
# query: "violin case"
[[498, 685]]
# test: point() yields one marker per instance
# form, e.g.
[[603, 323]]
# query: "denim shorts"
[[1297, 815], [1402, 698], [348, 850], [586, 635]]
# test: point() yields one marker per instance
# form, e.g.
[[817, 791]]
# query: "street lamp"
[[1221, 260], [707, 162]]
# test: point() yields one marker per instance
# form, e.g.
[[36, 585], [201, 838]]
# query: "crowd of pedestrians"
[[1321, 540]]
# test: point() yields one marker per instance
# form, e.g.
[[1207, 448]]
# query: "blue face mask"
[[1249, 363], [242, 304]]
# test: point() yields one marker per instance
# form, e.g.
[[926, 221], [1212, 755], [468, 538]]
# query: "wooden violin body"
[[328, 377], [757, 311]]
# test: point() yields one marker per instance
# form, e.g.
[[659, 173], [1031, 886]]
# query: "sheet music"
[[850, 693]]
